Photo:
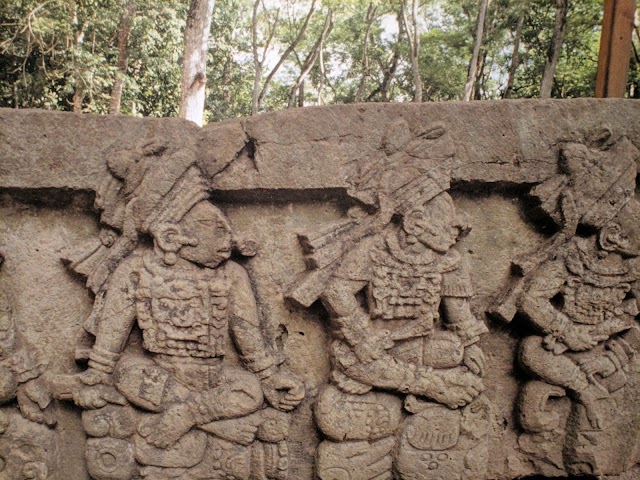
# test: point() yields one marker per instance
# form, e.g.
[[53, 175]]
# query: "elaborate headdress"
[[596, 181], [148, 185], [595, 184], [413, 168]]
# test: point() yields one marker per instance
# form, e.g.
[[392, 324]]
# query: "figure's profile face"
[[435, 225], [212, 233], [440, 234]]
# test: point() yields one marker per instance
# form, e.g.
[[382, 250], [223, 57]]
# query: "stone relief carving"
[[406, 382], [182, 374], [28, 441], [176, 407], [578, 294]]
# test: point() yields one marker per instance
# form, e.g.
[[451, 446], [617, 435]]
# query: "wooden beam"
[[615, 48]]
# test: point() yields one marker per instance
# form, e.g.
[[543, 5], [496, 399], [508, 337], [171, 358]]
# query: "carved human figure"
[[28, 444], [385, 300], [581, 300], [187, 412]]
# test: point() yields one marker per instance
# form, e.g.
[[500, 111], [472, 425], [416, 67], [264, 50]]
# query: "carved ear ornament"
[[246, 246], [612, 237], [414, 222]]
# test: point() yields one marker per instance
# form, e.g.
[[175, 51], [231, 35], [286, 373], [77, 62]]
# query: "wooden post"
[[615, 48]]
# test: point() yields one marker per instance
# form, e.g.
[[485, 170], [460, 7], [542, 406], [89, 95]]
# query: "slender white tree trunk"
[[365, 68], [515, 57], [559, 29], [413, 35], [292, 46], [79, 92], [257, 61], [194, 63], [305, 69], [473, 64]]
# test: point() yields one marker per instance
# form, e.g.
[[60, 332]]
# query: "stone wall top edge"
[[512, 141]]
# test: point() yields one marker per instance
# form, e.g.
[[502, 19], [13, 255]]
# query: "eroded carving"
[[172, 404], [28, 441], [406, 381], [183, 373], [579, 293]]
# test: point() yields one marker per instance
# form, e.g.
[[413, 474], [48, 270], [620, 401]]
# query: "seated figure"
[[28, 441], [180, 408], [402, 346], [579, 294], [405, 399]]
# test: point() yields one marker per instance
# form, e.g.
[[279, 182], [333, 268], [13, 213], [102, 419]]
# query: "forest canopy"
[[126, 56]]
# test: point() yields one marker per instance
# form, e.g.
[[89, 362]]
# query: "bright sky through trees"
[[61, 54]]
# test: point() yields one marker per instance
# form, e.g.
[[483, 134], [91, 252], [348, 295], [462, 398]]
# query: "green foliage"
[[576, 71], [230, 65], [155, 56], [57, 51]]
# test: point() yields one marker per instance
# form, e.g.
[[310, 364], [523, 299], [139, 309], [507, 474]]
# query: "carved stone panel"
[[438, 291]]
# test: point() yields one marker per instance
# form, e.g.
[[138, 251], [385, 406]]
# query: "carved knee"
[[143, 384], [534, 413], [342, 416]]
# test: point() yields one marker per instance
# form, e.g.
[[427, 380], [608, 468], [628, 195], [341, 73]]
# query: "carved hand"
[[453, 388], [474, 359], [283, 391], [600, 364], [579, 338], [236, 430], [373, 347], [34, 400], [97, 396], [164, 429]]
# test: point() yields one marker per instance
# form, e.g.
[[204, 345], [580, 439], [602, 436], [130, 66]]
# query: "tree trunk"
[[413, 35], [479, 86], [389, 70], [365, 71], [301, 95], [311, 59], [286, 53], [559, 29], [257, 61], [123, 56], [194, 63], [78, 95], [323, 73], [515, 56], [473, 64], [79, 91]]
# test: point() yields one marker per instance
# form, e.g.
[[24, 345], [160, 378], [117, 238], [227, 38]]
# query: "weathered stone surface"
[[314, 148], [354, 292]]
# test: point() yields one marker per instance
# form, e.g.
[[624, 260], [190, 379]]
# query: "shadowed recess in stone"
[[362, 292]]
